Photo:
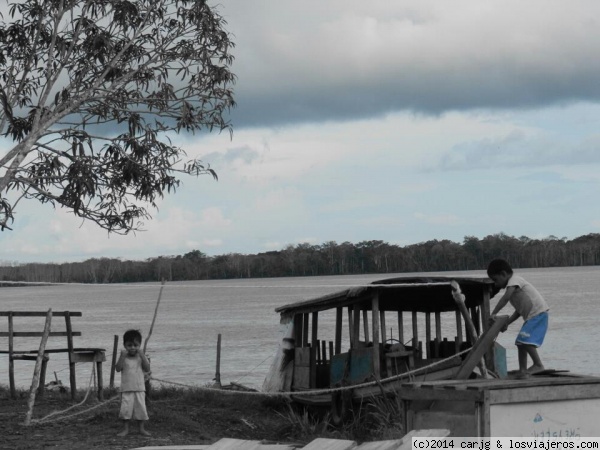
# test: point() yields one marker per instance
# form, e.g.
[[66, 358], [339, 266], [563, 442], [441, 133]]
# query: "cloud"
[[349, 59], [518, 149]]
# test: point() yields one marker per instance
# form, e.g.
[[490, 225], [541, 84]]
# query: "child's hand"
[[123, 353]]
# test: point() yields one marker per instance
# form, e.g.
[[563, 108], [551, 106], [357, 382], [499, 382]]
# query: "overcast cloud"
[[400, 121]]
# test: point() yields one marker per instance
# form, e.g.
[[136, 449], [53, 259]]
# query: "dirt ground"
[[176, 417]]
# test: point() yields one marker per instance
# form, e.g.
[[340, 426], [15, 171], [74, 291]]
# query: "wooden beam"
[[315, 330], [415, 339], [428, 335], [401, 327], [339, 317], [365, 315], [11, 363], [375, 317], [350, 326], [305, 330], [383, 330], [438, 334], [459, 332], [356, 325]]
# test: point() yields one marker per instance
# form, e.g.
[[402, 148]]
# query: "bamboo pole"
[[114, 361], [38, 367], [162, 285]]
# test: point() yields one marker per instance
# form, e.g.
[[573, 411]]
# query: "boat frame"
[[307, 362]]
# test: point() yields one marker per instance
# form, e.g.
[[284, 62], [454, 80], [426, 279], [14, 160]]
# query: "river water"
[[191, 314]]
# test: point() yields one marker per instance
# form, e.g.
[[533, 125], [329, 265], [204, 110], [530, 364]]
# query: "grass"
[[184, 416]]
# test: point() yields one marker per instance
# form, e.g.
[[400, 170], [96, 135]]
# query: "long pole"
[[218, 372], [162, 285], [38, 366], [459, 299], [114, 361]]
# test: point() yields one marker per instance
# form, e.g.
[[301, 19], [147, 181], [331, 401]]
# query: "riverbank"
[[177, 417]]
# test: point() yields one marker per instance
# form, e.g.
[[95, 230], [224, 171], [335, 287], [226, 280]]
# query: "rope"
[[408, 374], [44, 419], [196, 286]]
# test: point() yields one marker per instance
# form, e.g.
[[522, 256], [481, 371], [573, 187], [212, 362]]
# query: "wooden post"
[[365, 315], [415, 339], [428, 335], [400, 327], [339, 313], [382, 326], [459, 299], [375, 318], [350, 326], [305, 330], [38, 367], [459, 332], [114, 361], [356, 317], [298, 330], [438, 333], [315, 330], [72, 376], [218, 371], [11, 363]]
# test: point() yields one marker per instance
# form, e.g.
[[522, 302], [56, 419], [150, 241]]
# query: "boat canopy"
[[420, 294]]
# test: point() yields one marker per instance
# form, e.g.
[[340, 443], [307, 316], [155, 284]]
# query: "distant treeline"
[[329, 258]]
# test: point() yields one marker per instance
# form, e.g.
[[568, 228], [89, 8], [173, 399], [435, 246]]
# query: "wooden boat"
[[414, 337], [394, 330]]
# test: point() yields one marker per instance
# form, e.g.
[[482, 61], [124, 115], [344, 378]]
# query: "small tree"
[[92, 90]]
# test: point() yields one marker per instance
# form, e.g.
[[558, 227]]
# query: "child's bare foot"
[[521, 375], [143, 429], [123, 433], [535, 369]]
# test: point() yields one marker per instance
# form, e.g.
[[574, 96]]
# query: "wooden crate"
[[542, 406]]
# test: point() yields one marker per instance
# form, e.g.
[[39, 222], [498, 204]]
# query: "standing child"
[[132, 364], [530, 305]]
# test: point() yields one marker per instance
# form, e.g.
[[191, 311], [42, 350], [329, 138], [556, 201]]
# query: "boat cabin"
[[409, 325]]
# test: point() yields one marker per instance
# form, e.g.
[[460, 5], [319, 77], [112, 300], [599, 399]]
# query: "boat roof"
[[421, 294]]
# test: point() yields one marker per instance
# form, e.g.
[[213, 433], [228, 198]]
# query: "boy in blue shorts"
[[530, 305]]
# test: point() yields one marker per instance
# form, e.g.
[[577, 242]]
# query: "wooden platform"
[[318, 444]]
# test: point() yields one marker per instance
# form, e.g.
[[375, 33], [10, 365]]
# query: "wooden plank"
[[173, 447], [365, 315], [380, 445], [38, 313], [544, 393], [37, 333], [234, 444], [330, 444], [482, 345]]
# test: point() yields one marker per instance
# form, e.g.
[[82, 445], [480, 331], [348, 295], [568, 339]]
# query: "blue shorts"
[[533, 331]]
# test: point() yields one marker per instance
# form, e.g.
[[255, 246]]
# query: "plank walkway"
[[318, 444]]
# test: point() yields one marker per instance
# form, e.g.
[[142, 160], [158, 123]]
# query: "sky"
[[398, 121]]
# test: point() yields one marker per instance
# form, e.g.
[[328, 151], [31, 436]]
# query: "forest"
[[329, 258]]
